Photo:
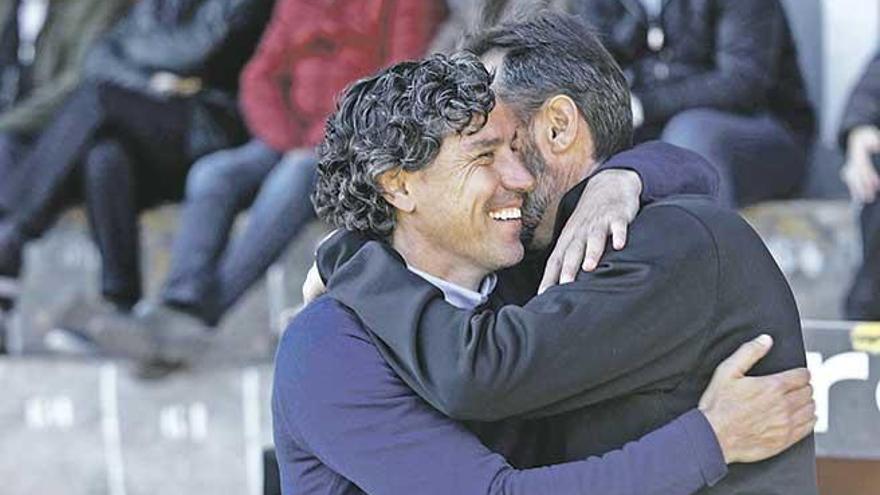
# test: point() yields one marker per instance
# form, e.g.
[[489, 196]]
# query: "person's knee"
[[292, 176], [107, 162], [211, 174]]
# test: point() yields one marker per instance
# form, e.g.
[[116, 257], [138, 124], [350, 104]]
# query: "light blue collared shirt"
[[457, 295]]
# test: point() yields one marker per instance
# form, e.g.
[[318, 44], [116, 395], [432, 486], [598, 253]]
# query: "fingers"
[[572, 261], [805, 421], [618, 235], [741, 361], [595, 247], [551, 271], [800, 397], [871, 183], [791, 380], [313, 286]]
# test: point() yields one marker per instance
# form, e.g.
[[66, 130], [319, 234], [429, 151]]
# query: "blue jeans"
[[210, 273], [756, 156]]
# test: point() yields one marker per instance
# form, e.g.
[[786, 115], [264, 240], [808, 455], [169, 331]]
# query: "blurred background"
[[156, 158]]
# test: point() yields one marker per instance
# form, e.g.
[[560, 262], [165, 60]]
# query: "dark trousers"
[[12, 148], [101, 130], [209, 273], [863, 299], [756, 156]]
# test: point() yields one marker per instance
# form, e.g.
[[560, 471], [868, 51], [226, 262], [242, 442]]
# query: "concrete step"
[[65, 262]]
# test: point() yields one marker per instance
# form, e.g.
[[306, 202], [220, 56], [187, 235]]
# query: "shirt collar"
[[457, 295]]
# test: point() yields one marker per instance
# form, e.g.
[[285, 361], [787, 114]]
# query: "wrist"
[[625, 179], [721, 435]]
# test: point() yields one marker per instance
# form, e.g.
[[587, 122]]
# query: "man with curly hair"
[[423, 158]]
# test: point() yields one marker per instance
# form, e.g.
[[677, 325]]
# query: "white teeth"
[[506, 214]]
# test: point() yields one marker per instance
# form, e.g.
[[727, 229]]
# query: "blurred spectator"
[[720, 77], [860, 137], [160, 92], [310, 52], [42, 46], [470, 16]]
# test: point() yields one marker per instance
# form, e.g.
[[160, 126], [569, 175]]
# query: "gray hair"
[[553, 53]]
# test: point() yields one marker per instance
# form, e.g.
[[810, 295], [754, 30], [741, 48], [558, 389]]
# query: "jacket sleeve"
[[863, 107], [106, 62], [335, 394], [748, 43], [607, 334], [267, 78], [35, 111], [666, 169], [182, 49]]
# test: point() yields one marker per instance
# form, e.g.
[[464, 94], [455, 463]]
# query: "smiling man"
[[417, 157], [621, 350]]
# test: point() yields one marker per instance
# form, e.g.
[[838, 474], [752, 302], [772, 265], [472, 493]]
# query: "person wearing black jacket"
[[719, 77], [159, 93], [860, 137], [611, 355]]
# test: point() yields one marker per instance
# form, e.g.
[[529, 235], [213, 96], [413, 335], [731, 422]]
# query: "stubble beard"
[[535, 204]]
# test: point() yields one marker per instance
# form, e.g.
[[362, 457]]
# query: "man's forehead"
[[498, 129]]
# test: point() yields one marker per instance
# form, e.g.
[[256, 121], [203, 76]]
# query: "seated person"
[[158, 93], [620, 350], [42, 46], [860, 137], [719, 77], [287, 90], [402, 144]]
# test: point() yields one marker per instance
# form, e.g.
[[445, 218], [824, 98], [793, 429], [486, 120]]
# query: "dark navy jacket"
[[345, 423]]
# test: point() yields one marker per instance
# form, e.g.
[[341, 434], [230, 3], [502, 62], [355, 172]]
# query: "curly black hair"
[[395, 120]]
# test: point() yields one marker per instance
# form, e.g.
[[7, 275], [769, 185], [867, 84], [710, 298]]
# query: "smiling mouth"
[[506, 214]]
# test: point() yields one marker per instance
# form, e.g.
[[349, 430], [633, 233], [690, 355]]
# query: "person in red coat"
[[311, 50]]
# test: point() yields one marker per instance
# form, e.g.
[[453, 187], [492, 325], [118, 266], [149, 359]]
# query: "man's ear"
[[561, 120], [394, 189]]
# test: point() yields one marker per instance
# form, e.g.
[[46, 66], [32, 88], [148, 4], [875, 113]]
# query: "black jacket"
[[611, 356], [735, 55], [864, 103], [208, 39]]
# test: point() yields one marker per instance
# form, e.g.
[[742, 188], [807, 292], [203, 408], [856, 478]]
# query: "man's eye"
[[485, 159]]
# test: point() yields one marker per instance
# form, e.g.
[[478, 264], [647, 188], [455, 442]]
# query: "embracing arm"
[[665, 170], [604, 335], [341, 402]]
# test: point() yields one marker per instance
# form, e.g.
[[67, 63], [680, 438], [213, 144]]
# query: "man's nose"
[[514, 175]]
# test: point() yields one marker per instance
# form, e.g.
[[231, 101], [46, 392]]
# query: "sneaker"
[[108, 327], [180, 337]]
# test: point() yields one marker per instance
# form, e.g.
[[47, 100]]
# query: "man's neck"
[[423, 255]]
